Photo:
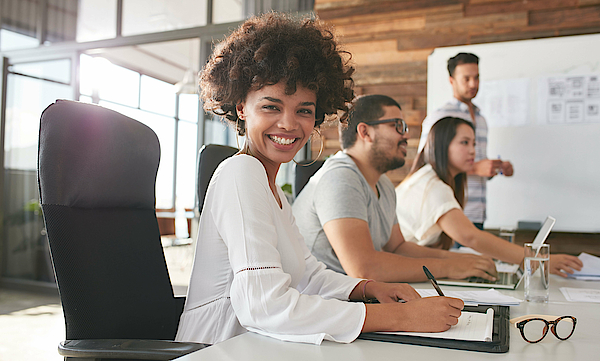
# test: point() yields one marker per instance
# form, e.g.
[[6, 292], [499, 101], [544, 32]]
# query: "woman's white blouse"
[[252, 270], [421, 200]]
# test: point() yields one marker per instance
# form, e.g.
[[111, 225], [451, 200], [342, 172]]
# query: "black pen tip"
[[426, 270]]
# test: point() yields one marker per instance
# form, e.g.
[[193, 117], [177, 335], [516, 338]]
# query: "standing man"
[[347, 210], [464, 78]]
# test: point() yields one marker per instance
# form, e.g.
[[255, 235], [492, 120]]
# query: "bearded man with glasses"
[[347, 210]]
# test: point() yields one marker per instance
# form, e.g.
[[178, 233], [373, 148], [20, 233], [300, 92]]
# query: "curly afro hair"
[[271, 48]]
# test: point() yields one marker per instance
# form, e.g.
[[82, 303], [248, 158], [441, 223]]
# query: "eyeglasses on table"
[[401, 126], [535, 327]]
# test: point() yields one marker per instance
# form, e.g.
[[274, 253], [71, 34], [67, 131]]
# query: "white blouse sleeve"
[[438, 199], [260, 293]]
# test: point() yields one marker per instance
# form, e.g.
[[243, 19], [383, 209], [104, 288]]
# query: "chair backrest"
[[97, 173], [209, 158], [304, 170]]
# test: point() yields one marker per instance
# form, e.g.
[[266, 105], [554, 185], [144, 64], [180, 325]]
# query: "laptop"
[[505, 280]]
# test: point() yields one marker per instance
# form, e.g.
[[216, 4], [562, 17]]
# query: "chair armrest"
[[127, 349]]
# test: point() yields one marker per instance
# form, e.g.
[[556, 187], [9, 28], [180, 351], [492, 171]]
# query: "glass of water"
[[537, 272]]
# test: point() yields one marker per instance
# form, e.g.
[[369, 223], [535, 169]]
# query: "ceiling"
[[166, 61]]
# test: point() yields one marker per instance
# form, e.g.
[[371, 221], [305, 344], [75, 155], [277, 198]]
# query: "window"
[[187, 148], [150, 16], [29, 95], [9, 40], [157, 96], [96, 20], [53, 70], [31, 88], [174, 119], [227, 11]]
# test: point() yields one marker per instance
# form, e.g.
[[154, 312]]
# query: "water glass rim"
[[543, 248]]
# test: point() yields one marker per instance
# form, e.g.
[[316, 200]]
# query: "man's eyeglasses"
[[535, 327], [401, 126]]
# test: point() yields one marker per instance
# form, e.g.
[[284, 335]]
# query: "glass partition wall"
[[31, 87], [128, 55]]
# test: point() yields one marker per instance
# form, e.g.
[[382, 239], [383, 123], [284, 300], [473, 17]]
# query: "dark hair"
[[271, 48], [461, 58], [364, 108], [435, 153]]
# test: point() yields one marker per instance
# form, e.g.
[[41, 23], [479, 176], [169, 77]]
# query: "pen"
[[500, 167], [433, 281]]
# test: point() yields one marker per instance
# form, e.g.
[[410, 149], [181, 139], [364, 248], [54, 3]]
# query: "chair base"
[[126, 349]]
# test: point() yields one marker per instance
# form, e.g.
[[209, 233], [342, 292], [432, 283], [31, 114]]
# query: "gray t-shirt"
[[339, 190]]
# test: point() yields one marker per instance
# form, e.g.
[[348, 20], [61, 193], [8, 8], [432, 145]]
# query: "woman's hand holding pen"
[[442, 315], [430, 314]]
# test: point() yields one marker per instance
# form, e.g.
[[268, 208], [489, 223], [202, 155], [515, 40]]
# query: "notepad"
[[471, 326]]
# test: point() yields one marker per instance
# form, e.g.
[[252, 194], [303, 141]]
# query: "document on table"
[[474, 298], [581, 294], [590, 270], [471, 326]]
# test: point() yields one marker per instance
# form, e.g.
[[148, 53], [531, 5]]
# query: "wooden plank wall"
[[391, 40]]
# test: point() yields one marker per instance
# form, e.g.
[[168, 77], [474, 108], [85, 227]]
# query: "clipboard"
[[499, 343]]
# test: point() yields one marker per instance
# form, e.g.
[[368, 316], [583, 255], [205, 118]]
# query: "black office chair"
[[304, 170], [96, 173], [209, 158]]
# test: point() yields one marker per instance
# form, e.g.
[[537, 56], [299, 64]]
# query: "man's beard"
[[383, 162]]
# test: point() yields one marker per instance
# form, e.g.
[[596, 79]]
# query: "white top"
[[421, 200], [252, 270], [476, 185]]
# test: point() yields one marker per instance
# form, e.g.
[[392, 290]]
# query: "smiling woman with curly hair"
[[276, 78], [272, 48]]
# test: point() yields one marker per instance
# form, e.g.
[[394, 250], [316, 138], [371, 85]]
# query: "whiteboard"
[[557, 166]]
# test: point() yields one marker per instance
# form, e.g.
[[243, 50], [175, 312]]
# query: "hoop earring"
[[237, 133], [320, 151]]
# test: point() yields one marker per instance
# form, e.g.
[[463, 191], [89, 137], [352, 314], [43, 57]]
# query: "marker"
[[500, 170], [433, 281]]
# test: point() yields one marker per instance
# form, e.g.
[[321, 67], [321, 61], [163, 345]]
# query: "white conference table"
[[583, 345]]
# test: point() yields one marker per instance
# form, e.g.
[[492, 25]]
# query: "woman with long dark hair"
[[431, 199]]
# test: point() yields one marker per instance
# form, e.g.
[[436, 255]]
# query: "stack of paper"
[[590, 270], [474, 298]]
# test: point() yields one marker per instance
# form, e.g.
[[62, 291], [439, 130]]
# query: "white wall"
[[557, 166]]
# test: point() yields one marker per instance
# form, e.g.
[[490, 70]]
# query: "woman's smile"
[[278, 124], [282, 140]]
